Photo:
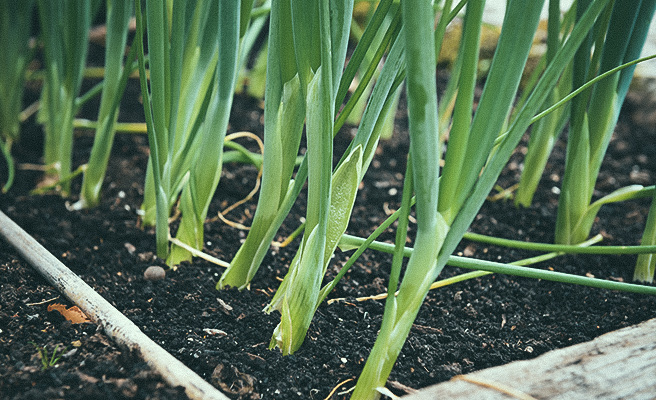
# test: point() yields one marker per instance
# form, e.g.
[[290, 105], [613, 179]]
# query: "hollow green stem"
[[519, 270], [561, 248], [646, 263], [431, 228]]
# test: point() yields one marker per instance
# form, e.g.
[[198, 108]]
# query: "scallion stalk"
[[187, 110], [115, 79], [205, 168], [473, 184], [64, 29], [297, 296], [545, 132], [284, 113], [431, 227], [646, 263]]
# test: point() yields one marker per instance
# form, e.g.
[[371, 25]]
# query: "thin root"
[[221, 214], [42, 302], [332, 392]]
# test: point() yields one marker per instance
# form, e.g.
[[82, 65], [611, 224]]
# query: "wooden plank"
[[617, 365]]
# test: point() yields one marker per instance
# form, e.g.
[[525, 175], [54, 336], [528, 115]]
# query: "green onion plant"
[[595, 114], [422, 178], [610, 51], [64, 31], [15, 26], [284, 113], [463, 186], [115, 79], [616, 40], [330, 199], [48, 361], [206, 168], [187, 108]]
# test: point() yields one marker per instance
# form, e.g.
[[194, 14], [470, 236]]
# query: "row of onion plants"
[[196, 51]]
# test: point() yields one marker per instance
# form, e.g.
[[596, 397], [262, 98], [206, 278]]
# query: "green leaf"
[[583, 224], [281, 141], [115, 78], [593, 123], [297, 302], [345, 183], [284, 113], [493, 168], [418, 20], [646, 263]]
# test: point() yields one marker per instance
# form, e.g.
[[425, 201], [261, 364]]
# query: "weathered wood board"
[[617, 365]]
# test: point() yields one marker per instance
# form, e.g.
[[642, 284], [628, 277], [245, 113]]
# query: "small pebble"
[[154, 273], [130, 248], [224, 306], [147, 256], [69, 353]]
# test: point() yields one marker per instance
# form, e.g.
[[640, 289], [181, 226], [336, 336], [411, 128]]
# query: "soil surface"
[[224, 335]]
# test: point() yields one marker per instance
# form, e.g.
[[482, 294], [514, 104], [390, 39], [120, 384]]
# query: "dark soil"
[[460, 328]]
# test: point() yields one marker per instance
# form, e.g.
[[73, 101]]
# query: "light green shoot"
[[46, 360], [328, 206], [205, 169]]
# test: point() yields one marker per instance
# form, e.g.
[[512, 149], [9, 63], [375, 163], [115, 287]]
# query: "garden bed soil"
[[224, 335]]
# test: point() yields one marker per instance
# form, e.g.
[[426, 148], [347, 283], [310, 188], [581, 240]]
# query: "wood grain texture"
[[617, 365]]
